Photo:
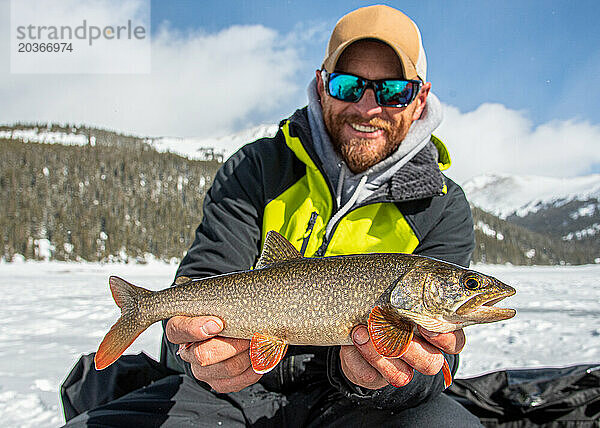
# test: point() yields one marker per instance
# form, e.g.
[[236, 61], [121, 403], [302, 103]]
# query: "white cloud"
[[208, 84], [201, 84], [496, 139]]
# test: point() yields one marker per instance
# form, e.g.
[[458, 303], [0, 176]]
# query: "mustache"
[[374, 121]]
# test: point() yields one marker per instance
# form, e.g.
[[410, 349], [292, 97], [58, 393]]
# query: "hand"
[[222, 362], [363, 366]]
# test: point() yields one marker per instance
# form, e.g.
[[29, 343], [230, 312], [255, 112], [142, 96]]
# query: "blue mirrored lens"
[[395, 92], [345, 87], [388, 92]]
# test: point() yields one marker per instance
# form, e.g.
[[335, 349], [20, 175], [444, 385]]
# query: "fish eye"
[[471, 282]]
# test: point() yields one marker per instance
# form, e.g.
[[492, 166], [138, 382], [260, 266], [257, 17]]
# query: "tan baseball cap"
[[382, 23]]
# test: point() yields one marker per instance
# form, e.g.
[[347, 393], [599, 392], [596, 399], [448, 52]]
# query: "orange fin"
[[266, 352], [129, 326], [447, 374], [390, 334]]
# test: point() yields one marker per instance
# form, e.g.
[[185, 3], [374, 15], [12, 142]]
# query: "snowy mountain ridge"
[[505, 195], [565, 209], [197, 148], [560, 225], [223, 147]]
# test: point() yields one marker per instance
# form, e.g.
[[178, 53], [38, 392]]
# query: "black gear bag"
[[548, 397]]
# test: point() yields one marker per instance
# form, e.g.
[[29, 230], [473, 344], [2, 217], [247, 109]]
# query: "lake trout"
[[291, 299]]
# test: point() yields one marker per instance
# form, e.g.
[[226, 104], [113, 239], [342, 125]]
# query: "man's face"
[[365, 133]]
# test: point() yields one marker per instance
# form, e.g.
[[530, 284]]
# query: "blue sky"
[[518, 80], [540, 57]]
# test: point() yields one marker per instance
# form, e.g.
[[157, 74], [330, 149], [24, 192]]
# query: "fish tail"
[[128, 327]]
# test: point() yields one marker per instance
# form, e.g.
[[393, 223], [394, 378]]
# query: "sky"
[[518, 79]]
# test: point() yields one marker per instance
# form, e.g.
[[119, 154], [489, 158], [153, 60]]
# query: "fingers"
[[222, 362], [232, 374], [396, 372], [358, 370], [450, 343], [423, 357], [223, 386], [192, 329], [363, 366], [214, 351]]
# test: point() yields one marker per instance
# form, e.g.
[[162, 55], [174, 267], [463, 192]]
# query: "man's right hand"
[[222, 362]]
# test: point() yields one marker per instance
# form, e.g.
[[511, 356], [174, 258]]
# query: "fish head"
[[445, 297]]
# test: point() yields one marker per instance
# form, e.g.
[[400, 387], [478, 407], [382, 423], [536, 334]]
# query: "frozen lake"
[[54, 312]]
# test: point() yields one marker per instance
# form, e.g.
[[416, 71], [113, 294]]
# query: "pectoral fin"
[[266, 352], [390, 334]]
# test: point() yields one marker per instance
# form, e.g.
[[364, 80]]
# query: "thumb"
[[360, 336], [182, 329]]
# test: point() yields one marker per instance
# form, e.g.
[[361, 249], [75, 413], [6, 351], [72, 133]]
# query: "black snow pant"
[[179, 401]]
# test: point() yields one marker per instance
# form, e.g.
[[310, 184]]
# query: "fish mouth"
[[481, 307]]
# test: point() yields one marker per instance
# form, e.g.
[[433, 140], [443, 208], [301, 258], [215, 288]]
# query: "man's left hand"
[[363, 366]]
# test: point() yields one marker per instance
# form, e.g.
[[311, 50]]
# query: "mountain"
[[73, 192], [564, 210], [500, 241], [196, 148], [80, 193], [219, 148]]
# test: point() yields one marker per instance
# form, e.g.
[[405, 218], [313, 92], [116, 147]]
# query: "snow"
[[191, 147], [486, 229], [503, 194], [584, 233], [34, 135], [44, 248], [557, 321], [585, 211], [54, 311]]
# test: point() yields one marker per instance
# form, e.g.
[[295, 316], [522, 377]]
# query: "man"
[[356, 171]]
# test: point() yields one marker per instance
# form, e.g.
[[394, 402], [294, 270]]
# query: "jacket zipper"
[[327, 239], [309, 230]]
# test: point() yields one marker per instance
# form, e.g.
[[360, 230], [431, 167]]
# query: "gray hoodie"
[[351, 189]]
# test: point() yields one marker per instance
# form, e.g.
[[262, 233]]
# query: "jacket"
[[278, 183]]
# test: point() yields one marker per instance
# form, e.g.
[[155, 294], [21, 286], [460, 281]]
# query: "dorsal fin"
[[276, 249]]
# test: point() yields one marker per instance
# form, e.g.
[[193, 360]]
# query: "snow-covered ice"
[[51, 314], [54, 312]]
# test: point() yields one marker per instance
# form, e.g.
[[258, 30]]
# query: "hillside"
[[564, 210], [500, 241], [106, 197], [80, 193]]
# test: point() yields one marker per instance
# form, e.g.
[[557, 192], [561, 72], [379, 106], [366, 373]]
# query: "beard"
[[362, 153]]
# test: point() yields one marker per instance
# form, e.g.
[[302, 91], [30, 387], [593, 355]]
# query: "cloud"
[[201, 84], [212, 84], [496, 139]]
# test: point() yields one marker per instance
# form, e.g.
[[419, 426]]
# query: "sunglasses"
[[388, 92]]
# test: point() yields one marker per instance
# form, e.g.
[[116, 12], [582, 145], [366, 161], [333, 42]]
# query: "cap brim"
[[408, 68]]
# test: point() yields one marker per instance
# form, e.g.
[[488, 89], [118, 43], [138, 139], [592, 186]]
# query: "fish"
[[289, 299]]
